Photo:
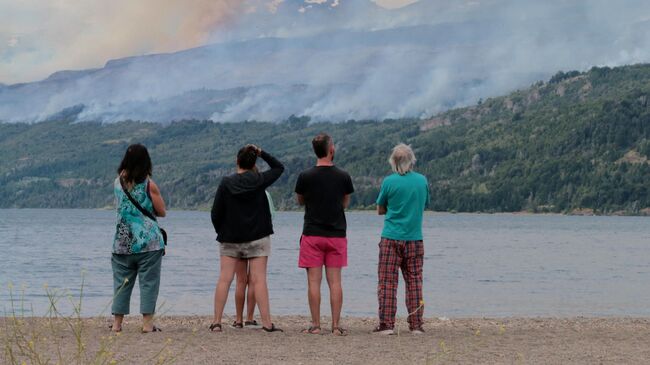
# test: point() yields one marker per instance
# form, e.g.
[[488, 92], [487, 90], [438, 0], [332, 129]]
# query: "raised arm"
[[275, 171]]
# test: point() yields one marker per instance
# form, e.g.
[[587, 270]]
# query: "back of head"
[[247, 157], [136, 164], [402, 159], [321, 144]]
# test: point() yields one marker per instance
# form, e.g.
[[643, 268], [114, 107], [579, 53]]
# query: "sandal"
[[312, 330], [252, 324], [216, 327], [154, 329], [272, 329], [236, 324], [338, 331], [116, 331]]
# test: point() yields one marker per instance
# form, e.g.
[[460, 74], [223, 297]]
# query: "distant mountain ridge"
[[358, 61], [110, 93], [579, 143]]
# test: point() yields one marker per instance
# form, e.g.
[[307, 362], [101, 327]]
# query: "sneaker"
[[252, 325], [383, 330], [417, 331]]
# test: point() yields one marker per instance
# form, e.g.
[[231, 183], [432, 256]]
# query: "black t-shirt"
[[323, 188]]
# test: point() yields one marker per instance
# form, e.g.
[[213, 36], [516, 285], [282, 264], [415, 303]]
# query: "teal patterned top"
[[134, 232]]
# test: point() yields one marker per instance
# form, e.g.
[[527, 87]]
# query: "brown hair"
[[247, 157], [321, 144]]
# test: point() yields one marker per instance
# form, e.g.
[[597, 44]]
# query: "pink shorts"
[[316, 251]]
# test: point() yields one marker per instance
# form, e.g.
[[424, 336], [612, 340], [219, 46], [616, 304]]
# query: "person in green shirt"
[[402, 199]]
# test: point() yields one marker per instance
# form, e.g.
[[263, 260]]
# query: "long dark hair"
[[136, 164]]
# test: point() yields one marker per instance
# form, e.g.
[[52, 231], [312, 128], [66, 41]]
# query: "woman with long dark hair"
[[138, 246]]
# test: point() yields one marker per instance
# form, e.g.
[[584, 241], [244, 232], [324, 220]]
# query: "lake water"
[[475, 265]]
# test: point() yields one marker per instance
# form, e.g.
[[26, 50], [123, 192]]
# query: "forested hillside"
[[580, 141]]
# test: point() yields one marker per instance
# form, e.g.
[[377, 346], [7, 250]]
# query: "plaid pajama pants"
[[408, 256]]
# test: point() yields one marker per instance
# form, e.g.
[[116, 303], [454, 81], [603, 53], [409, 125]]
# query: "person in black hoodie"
[[242, 220]]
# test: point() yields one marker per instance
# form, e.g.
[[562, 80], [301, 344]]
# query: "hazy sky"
[[394, 3], [39, 37]]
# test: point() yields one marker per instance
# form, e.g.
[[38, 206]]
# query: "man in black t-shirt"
[[325, 191]]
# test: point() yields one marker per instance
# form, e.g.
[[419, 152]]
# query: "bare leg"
[[147, 322], [228, 267], [258, 284], [314, 278], [250, 304], [333, 275], [240, 290], [117, 322]]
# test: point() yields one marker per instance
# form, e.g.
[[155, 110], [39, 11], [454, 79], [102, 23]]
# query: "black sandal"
[[272, 329], [312, 330], [116, 331], [216, 326], [236, 324], [338, 331], [154, 329], [252, 324]]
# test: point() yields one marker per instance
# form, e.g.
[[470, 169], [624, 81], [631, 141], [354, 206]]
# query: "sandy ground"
[[186, 340]]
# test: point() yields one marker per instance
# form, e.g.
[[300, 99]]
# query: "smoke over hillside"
[[342, 59]]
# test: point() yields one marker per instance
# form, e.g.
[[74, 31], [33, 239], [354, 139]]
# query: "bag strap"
[[136, 204]]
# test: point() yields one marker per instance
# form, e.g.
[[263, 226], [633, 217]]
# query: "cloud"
[[59, 35], [68, 34], [273, 5], [394, 4]]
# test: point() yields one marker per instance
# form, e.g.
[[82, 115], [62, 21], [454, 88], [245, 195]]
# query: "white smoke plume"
[[354, 60]]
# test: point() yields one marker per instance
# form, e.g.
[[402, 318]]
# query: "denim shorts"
[[247, 250]]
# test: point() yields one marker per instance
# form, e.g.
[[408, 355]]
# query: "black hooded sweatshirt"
[[240, 212]]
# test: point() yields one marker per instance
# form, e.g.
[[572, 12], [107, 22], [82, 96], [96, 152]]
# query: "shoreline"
[[574, 213], [576, 340]]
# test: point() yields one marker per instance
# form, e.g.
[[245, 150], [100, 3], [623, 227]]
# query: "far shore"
[[573, 213], [186, 340]]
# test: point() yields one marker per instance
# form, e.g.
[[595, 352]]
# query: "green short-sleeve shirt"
[[405, 197]]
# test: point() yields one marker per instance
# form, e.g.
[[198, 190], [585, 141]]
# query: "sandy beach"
[[186, 340]]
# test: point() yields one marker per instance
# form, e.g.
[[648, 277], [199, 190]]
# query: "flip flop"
[[272, 329], [111, 328], [312, 330], [154, 329], [252, 324], [338, 331]]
